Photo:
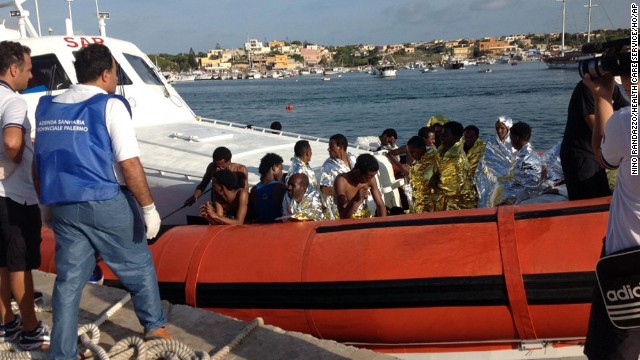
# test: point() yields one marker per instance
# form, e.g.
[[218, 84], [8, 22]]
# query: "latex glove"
[[46, 216], [190, 201], [151, 220]]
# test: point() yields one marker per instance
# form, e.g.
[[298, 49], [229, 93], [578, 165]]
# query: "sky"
[[175, 26]]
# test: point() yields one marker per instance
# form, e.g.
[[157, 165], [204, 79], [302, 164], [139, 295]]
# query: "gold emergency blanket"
[[330, 170], [525, 180], [455, 189], [420, 173], [299, 167], [310, 208], [493, 171], [474, 155]]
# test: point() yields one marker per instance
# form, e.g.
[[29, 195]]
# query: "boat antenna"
[[69, 21], [102, 16], [38, 19]]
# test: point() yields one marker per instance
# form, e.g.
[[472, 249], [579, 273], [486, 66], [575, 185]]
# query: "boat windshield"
[[146, 73], [48, 74]]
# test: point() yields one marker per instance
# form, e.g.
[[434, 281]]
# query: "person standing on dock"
[[584, 176], [19, 213], [612, 144], [339, 162], [89, 172]]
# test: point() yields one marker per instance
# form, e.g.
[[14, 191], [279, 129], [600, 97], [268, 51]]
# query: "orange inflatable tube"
[[523, 273]]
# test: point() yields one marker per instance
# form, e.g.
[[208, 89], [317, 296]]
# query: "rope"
[[227, 348], [126, 349]]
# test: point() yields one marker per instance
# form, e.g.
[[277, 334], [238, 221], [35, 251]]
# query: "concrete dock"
[[200, 329]]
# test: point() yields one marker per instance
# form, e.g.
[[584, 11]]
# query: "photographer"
[[612, 147], [584, 176]]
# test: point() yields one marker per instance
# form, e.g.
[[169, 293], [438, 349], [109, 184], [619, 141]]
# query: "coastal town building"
[[311, 56], [256, 47], [462, 52], [278, 62], [492, 46]]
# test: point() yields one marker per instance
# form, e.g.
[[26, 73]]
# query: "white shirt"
[[13, 113], [623, 230], [119, 124]]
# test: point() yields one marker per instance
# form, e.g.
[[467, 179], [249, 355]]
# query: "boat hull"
[[454, 280]]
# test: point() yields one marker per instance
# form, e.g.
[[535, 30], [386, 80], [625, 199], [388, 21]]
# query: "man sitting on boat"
[[473, 147], [300, 163], [454, 184], [495, 165], [352, 189], [302, 201], [339, 162], [420, 173], [388, 140], [266, 196], [230, 200], [525, 180], [221, 160]]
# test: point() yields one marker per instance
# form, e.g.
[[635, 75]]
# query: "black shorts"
[[19, 235]]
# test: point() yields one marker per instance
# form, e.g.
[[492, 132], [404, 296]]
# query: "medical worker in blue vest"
[[89, 173]]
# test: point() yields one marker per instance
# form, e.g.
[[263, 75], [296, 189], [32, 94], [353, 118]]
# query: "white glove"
[[151, 220], [46, 216]]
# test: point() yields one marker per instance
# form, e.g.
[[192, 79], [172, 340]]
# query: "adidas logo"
[[626, 292]]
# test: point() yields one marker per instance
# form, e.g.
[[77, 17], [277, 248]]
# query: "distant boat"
[[487, 70], [568, 60], [453, 64], [386, 67], [326, 78]]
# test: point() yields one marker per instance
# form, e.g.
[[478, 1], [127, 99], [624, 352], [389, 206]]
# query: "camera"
[[615, 60]]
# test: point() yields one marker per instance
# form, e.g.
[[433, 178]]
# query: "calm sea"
[[358, 104]]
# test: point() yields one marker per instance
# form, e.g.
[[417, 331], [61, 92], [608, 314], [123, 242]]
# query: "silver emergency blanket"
[[525, 180], [310, 208], [330, 170], [553, 166], [299, 167], [493, 171]]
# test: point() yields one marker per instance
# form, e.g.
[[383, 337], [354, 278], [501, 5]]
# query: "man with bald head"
[[302, 202]]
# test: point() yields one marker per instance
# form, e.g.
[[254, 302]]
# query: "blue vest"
[[73, 156]]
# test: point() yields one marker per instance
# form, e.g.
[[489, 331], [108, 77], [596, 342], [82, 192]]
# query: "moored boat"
[[387, 67]]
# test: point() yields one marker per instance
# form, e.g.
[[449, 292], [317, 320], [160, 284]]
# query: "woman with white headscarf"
[[495, 166]]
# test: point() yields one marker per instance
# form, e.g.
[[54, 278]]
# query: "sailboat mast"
[[589, 23], [564, 14]]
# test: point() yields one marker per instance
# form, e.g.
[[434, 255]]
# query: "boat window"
[[48, 74], [146, 73], [123, 79]]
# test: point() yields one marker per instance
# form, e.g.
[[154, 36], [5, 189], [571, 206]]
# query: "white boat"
[[204, 76], [387, 67], [254, 74], [175, 144], [185, 77]]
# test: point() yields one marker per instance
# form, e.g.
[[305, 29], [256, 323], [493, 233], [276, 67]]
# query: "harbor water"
[[359, 104]]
